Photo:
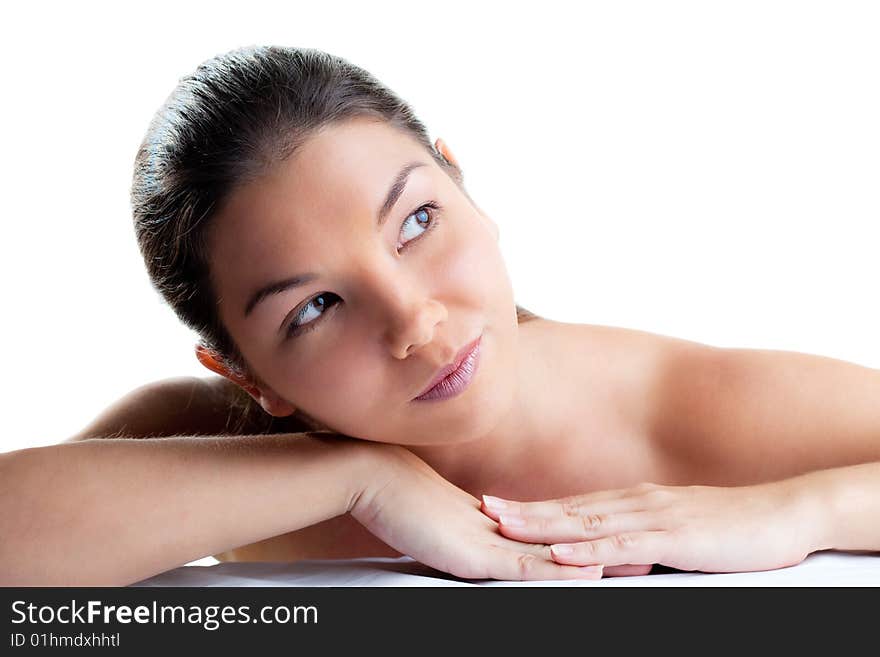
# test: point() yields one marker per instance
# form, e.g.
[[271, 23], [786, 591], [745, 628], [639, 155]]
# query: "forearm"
[[112, 512], [847, 501]]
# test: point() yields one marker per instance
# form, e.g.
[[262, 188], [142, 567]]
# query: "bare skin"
[[618, 445], [607, 446], [548, 412], [554, 410]]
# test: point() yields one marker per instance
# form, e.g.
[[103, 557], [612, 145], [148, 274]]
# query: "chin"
[[472, 416]]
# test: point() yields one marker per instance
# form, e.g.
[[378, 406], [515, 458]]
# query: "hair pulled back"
[[235, 117]]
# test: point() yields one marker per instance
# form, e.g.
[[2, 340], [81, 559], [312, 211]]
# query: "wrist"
[[383, 468], [370, 467], [347, 468], [821, 493], [850, 506]]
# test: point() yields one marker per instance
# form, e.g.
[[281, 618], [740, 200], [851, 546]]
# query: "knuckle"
[[593, 522], [624, 541], [525, 564], [591, 549], [571, 507]]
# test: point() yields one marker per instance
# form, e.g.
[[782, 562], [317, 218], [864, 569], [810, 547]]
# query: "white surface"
[[700, 169], [819, 569]]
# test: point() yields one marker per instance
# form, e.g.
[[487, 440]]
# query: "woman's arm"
[[110, 512], [114, 511], [191, 406]]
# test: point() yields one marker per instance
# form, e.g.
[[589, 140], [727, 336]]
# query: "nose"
[[411, 317], [413, 326], [403, 305]]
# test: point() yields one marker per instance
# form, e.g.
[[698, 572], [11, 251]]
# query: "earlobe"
[[274, 405]]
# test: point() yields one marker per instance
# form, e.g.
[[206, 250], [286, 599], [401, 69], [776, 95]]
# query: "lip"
[[463, 367]]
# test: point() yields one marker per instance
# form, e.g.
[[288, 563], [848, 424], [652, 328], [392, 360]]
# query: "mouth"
[[451, 380]]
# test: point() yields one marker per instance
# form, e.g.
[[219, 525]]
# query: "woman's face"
[[386, 299]]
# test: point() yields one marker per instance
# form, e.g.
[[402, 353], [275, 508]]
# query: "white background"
[[705, 170]]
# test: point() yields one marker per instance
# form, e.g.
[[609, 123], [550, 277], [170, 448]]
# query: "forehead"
[[343, 165], [360, 154], [332, 186]]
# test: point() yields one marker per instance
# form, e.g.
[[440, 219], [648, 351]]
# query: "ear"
[[264, 396], [444, 150]]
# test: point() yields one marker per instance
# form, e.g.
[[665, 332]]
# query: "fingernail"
[[494, 502], [512, 521], [561, 550]]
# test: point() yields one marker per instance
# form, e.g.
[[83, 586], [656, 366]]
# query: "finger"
[[543, 552], [566, 528], [626, 571], [547, 507], [621, 549], [609, 501], [506, 564]]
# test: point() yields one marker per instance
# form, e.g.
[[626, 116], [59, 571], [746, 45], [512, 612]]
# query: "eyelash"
[[294, 330]]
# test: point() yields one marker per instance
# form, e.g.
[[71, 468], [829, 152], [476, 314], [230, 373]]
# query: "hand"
[[710, 529], [417, 512]]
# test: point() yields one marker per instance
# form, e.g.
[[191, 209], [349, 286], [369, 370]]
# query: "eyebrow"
[[394, 192]]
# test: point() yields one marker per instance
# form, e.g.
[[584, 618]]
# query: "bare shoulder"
[[617, 337], [183, 405], [619, 353], [626, 368]]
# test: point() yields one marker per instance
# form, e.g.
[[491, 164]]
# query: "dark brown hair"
[[227, 123]]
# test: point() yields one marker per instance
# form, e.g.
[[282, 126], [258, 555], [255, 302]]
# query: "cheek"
[[329, 373], [472, 269], [341, 382]]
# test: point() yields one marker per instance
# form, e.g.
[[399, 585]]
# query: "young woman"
[[376, 378]]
